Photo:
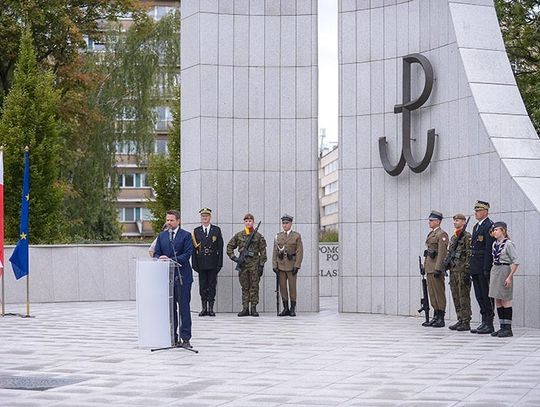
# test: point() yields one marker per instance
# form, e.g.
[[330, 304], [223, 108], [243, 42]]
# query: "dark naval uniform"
[[480, 267], [207, 260], [252, 269], [436, 249], [460, 279], [287, 257]]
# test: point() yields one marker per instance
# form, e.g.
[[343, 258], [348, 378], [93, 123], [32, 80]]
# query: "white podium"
[[154, 296]]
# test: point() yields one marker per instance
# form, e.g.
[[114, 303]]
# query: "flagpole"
[[28, 296], [3, 307]]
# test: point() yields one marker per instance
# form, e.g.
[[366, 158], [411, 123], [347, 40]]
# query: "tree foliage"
[[164, 174], [520, 26], [30, 119]]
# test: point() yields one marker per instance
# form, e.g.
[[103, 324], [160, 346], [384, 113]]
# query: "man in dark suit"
[[207, 260], [480, 265], [175, 244]]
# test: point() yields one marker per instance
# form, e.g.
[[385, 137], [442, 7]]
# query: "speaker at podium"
[[154, 297]]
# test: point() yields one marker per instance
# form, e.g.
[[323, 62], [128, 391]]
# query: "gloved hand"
[[235, 259], [437, 273], [466, 278], [260, 270], [275, 271], [295, 271]]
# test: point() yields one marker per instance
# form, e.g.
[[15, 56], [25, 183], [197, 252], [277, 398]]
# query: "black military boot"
[[211, 309], [488, 327], [455, 326], [439, 323], [285, 311], [293, 309], [475, 330], [204, 309], [254, 312], [506, 332], [245, 311], [465, 326], [500, 313], [432, 320]]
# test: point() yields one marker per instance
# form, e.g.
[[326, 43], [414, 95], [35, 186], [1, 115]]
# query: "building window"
[[330, 209], [126, 147], [161, 146], [331, 188], [134, 214], [164, 118], [135, 180], [158, 12], [330, 167]]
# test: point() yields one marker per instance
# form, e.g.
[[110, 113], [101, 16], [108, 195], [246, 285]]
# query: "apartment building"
[[328, 189]]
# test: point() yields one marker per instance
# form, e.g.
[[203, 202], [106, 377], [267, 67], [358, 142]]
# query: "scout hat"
[[459, 216], [205, 211], [481, 205], [501, 225], [286, 218], [435, 215], [249, 216]]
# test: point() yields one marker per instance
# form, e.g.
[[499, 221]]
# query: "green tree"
[[164, 174], [30, 119], [520, 26], [115, 103]]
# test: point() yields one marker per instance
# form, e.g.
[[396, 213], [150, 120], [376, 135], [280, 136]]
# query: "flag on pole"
[[1, 211], [19, 258]]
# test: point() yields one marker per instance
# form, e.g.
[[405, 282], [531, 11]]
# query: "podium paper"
[[153, 303]]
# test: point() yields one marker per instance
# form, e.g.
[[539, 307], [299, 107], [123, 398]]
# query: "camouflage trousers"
[[461, 294], [249, 281]]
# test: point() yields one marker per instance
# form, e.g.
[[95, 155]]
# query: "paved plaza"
[[90, 351]]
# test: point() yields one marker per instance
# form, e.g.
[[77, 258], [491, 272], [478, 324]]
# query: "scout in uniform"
[[286, 261], [252, 269], [501, 283], [436, 243], [207, 260], [480, 265], [460, 279]]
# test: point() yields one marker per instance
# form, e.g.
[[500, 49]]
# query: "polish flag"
[[1, 211]]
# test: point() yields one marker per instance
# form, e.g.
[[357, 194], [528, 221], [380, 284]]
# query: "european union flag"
[[19, 258]]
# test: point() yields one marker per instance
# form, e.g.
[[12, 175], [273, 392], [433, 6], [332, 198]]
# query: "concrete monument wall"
[[249, 128], [486, 148]]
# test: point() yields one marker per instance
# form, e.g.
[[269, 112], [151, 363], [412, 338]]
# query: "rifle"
[[452, 255], [277, 294], [245, 251], [424, 301]]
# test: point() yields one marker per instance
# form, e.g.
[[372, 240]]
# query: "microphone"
[[170, 235]]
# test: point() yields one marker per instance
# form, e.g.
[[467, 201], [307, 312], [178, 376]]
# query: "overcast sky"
[[328, 68]]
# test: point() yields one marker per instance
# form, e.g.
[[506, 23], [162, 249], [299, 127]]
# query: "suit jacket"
[[208, 250], [180, 250], [481, 244]]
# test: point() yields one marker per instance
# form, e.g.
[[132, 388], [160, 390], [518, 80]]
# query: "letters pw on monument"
[[405, 108]]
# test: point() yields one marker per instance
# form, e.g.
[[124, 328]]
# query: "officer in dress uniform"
[[436, 243], [286, 261], [480, 265], [207, 260]]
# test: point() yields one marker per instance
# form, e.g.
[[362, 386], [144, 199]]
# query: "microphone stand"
[[177, 266]]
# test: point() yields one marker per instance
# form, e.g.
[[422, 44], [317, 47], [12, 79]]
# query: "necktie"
[[206, 232]]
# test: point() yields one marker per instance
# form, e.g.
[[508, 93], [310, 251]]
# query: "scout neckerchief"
[[497, 249]]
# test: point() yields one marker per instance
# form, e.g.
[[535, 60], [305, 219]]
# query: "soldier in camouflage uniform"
[[460, 279], [253, 267]]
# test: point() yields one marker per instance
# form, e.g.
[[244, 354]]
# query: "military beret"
[[287, 218], [249, 216], [501, 225], [481, 205], [205, 211], [459, 216], [435, 215]]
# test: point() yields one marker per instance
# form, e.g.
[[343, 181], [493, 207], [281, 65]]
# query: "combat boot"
[[211, 309], [506, 331], [245, 311], [475, 330], [285, 311], [204, 309], [439, 323], [254, 312], [456, 325], [465, 326], [488, 327], [432, 320], [293, 309]]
